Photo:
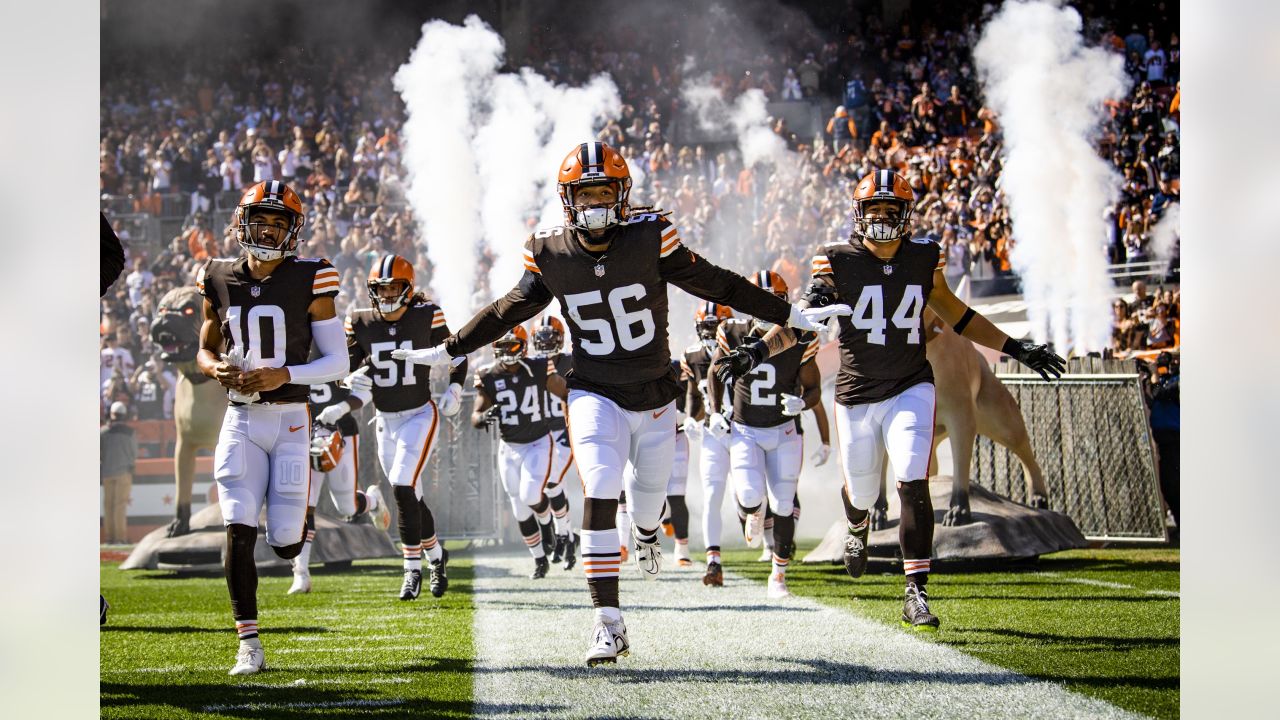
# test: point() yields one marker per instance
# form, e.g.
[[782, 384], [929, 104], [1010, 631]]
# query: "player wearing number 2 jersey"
[[407, 419], [609, 267], [262, 312], [884, 392]]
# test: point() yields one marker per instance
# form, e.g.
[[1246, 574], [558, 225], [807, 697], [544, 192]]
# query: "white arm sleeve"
[[333, 362]]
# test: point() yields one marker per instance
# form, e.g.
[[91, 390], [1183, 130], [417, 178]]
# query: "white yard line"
[[726, 652], [348, 649], [1106, 584]]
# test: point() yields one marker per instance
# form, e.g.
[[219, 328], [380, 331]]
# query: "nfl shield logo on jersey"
[[888, 269], [391, 331], [501, 384], [255, 291], [600, 271]]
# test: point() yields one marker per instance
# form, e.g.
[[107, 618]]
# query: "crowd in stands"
[[191, 129]]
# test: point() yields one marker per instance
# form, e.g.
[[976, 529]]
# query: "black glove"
[[1037, 357], [491, 415], [739, 362]]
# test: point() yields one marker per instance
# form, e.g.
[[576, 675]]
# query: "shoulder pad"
[[644, 217], [299, 258], [693, 349], [924, 240]]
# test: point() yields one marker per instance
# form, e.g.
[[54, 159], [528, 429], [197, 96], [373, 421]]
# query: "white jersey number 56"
[[628, 335]]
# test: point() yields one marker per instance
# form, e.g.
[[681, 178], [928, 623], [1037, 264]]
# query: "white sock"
[[608, 614]]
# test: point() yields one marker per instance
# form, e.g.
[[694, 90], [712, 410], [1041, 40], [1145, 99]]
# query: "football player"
[[335, 462], [713, 459], [676, 523], [548, 341], [262, 313], [884, 390], [766, 449], [609, 266], [407, 419], [512, 390]]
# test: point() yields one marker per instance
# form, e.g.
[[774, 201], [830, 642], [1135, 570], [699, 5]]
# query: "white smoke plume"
[[1166, 235], [482, 150], [748, 115], [1047, 88]]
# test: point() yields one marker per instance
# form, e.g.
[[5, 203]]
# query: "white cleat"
[[378, 510], [778, 587], [608, 643], [301, 583], [753, 533], [249, 660], [648, 557]]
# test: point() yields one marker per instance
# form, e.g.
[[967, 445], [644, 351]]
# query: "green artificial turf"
[[1119, 644], [350, 648]]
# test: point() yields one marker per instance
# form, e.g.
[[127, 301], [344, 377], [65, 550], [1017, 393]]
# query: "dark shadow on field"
[[1120, 642], [534, 604], [223, 630]]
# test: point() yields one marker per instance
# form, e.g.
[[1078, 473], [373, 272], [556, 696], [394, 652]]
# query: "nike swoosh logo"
[[787, 432], [296, 428], [659, 414]]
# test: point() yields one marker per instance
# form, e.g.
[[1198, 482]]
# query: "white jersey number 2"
[[868, 313]]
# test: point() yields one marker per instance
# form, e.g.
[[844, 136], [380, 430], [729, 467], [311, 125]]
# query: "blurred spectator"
[[118, 451], [842, 129], [1162, 389], [151, 385]]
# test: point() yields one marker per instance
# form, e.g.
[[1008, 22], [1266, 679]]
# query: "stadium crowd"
[[183, 135]]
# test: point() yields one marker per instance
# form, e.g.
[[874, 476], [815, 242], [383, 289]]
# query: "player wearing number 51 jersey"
[[407, 419], [262, 312], [609, 267], [884, 392]]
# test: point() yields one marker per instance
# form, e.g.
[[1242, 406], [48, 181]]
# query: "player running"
[[548, 341]]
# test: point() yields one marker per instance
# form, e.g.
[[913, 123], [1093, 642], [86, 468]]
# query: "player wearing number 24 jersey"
[[262, 312], [609, 267]]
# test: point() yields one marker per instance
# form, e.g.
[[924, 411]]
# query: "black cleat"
[[412, 586], [915, 611], [181, 523], [103, 607], [855, 551], [714, 575], [557, 554], [540, 568], [438, 581], [1039, 502], [571, 550], [548, 538]]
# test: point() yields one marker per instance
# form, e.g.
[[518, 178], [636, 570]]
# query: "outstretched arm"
[[525, 300]]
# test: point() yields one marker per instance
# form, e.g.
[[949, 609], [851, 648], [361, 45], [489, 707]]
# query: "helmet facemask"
[[387, 304], [707, 332], [881, 229], [509, 349], [547, 341], [595, 217], [255, 236]]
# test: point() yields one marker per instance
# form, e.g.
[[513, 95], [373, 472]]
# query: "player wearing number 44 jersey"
[[407, 420], [884, 391], [262, 313], [609, 267]]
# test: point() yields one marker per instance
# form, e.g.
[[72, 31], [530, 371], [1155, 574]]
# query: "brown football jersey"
[[397, 384], [553, 404], [269, 319], [615, 305], [518, 393], [757, 397], [882, 348]]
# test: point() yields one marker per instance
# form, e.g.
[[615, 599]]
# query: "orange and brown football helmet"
[[275, 196], [771, 281], [390, 270], [594, 163], [326, 449], [548, 335], [707, 318], [509, 349], [879, 186]]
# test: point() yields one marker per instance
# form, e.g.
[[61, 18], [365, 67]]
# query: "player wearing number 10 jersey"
[[262, 312], [609, 267], [407, 419]]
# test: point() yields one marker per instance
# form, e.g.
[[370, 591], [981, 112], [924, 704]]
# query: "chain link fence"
[[1091, 436]]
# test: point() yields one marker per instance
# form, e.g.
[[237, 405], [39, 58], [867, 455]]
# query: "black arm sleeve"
[[457, 373], [355, 353], [693, 274], [111, 257], [525, 300]]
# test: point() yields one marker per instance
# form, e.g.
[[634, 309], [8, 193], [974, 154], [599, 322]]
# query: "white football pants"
[[525, 469], [263, 456], [679, 481], [341, 480], [766, 462], [901, 426], [713, 467], [405, 440]]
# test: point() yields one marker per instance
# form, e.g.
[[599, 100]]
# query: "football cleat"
[[540, 567], [682, 555], [778, 587], [436, 579], [753, 529], [412, 586], [855, 551], [571, 551], [548, 537], [557, 553], [608, 642], [103, 607], [379, 513], [301, 583], [714, 576], [249, 660], [648, 556], [915, 611]]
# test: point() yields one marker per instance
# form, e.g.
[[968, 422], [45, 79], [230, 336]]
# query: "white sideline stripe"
[[727, 652], [303, 705], [379, 648], [1107, 584], [329, 681], [223, 668], [349, 637]]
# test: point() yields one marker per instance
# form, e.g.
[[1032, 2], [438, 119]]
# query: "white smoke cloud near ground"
[[482, 150], [1047, 88]]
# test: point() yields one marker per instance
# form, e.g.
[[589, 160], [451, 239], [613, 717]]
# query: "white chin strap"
[[596, 218], [882, 232], [389, 307], [265, 254]]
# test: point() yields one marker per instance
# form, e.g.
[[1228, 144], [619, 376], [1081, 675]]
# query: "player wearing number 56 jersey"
[[884, 391], [262, 312], [407, 419], [609, 267]]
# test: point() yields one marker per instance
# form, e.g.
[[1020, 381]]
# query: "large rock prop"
[[1001, 530], [201, 550]]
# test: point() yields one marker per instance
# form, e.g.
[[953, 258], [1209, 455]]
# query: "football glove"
[[691, 426], [820, 457], [492, 415], [429, 356], [792, 405], [451, 400], [1037, 357], [740, 361], [717, 426], [812, 319], [332, 414]]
